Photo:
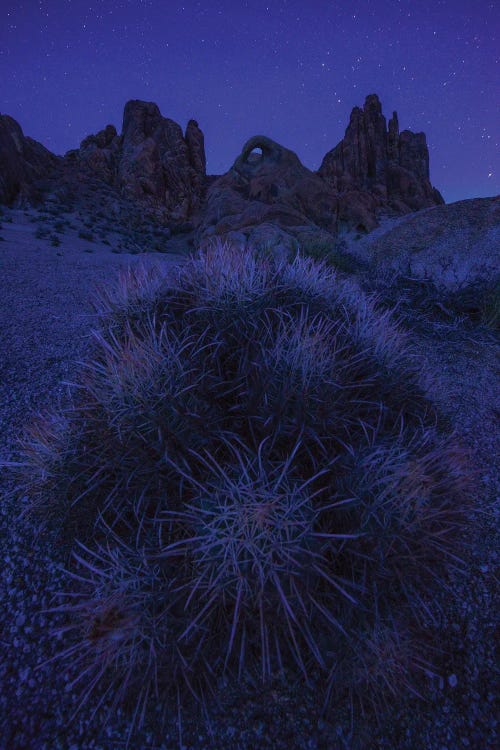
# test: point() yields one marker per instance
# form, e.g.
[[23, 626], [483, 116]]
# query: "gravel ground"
[[44, 309]]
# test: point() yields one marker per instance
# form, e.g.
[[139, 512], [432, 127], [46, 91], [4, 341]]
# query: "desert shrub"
[[490, 307], [260, 479], [84, 235], [420, 302], [478, 302], [331, 253]]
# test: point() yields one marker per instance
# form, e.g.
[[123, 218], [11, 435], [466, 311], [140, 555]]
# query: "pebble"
[[452, 680], [20, 620], [23, 674]]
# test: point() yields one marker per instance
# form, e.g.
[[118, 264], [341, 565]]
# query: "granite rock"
[[155, 162], [375, 158], [100, 153], [267, 185], [154, 166], [452, 246], [22, 161], [151, 163]]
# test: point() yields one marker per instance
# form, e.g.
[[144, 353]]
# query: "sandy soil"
[[45, 307]]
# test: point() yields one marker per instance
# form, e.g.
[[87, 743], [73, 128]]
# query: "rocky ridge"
[[267, 197]]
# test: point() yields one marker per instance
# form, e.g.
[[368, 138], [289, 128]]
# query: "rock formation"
[[451, 245], [374, 169], [267, 197], [22, 161], [151, 162], [155, 162], [196, 147], [376, 166], [99, 153]]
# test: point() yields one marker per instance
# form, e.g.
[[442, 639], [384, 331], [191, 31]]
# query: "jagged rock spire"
[[379, 159]]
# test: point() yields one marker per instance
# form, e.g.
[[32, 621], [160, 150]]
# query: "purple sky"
[[287, 69]]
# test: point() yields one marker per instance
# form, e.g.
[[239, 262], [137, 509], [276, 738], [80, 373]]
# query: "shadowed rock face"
[[100, 153], [196, 147], [151, 162], [267, 186], [22, 161], [372, 158]]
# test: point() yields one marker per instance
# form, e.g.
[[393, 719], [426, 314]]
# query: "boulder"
[[453, 246]]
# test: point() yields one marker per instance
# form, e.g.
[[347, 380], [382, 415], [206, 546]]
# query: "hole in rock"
[[255, 155]]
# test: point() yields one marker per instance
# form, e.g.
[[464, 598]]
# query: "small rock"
[[452, 680], [20, 620], [24, 674]]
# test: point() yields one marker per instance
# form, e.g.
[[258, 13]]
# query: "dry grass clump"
[[261, 479], [422, 304]]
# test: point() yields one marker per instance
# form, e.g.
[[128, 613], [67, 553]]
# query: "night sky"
[[287, 69]]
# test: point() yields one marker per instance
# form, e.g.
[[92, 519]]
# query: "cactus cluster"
[[259, 479]]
